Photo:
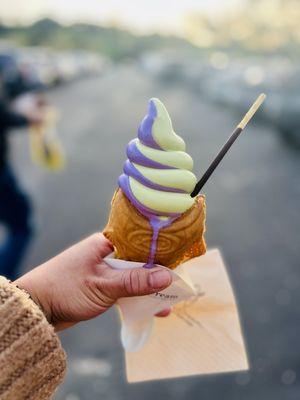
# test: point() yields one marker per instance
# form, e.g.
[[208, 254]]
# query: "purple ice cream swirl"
[[149, 164]]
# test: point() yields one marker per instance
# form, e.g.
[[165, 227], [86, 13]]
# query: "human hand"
[[36, 116], [77, 285]]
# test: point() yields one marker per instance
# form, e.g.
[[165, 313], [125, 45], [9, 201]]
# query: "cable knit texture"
[[32, 361]]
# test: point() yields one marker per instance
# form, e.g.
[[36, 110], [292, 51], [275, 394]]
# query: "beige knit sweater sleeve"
[[32, 361]]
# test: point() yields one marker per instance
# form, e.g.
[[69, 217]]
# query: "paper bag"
[[202, 335], [45, 147], [138, 312]]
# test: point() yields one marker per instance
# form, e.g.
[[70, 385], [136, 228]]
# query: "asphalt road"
[[253, 216]]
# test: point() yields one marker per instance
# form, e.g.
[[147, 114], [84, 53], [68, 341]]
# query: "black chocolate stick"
[[238, 130]]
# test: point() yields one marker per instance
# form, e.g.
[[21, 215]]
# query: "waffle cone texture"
[[130, 233]]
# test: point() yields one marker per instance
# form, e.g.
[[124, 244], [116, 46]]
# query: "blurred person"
[[15, 207], [74, 286], [18, 78]]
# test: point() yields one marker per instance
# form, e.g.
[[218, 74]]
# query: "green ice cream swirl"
[[157, 176]]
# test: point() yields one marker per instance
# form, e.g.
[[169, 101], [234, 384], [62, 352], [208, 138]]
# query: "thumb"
[[135, 282]]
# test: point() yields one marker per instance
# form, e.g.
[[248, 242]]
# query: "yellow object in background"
[[45, 148]]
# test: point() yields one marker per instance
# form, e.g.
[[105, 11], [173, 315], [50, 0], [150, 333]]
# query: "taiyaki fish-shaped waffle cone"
[[131, 233]]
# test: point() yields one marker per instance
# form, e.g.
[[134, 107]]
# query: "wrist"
[[28, 285]]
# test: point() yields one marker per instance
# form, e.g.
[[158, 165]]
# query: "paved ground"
[[253, 215]]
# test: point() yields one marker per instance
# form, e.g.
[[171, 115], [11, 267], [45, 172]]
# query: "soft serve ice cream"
[[157, 177]]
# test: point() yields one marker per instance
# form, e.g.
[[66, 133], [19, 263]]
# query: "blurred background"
[[98, 64]]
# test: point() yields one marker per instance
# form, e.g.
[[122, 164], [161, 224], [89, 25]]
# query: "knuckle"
[[96, 292], [89, 282], [132, 282]]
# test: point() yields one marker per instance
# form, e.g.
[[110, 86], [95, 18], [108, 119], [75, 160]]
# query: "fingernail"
[[160, 279]]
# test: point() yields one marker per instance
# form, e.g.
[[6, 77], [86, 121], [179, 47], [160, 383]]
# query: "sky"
[[164, 16]]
